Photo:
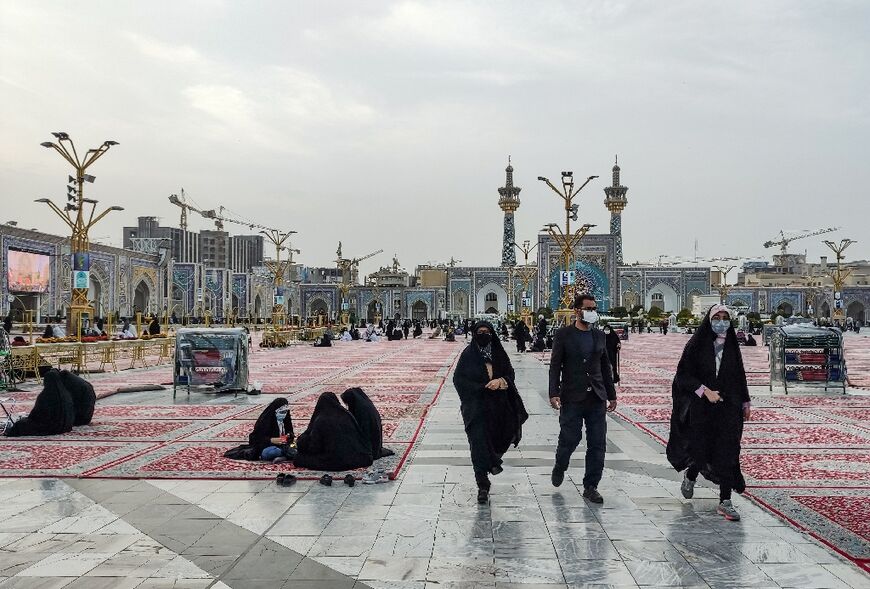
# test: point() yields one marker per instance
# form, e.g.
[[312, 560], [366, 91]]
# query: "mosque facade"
[[598, 268]]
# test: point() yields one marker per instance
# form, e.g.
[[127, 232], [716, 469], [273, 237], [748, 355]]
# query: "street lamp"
[[80, 307], [839, 276], [278, 269], [567, 240], [526, 272]]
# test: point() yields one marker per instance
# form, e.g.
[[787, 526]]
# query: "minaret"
[[509, 202], [615, 203]]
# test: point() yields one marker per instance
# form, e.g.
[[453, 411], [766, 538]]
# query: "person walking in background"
[[614, 344], [492, 410], [581, 389], [710, 403]]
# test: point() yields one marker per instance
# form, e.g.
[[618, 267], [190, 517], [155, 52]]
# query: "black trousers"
[[571, 419], [724, 489]]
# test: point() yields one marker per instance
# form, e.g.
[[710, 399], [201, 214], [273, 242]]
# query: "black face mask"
[[482, 339]]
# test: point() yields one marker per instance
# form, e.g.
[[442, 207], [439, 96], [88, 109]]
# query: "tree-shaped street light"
[[567, 240], [80, 223]]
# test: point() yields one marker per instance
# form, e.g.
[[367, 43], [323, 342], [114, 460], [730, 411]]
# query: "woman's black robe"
[[334, 440], [368, 418], [493, 419], [704, 434], [265, 428], [611, 342], [52, 411], [83, 397]]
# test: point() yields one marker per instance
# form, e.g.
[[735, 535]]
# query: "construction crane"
[[348, 264], [783, 241], [180, 201]]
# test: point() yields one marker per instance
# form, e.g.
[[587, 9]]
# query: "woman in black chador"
[[265, 433], [53, 412], [333, 440], [492, 410], [711, 402], [613, 345], [368, 418]]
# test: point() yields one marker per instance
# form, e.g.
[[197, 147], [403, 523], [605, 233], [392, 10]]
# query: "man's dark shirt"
[[579, 366]]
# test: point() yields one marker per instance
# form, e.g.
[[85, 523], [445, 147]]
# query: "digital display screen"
[[27, 271]]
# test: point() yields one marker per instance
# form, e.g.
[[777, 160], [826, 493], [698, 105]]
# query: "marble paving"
[[422, 531]]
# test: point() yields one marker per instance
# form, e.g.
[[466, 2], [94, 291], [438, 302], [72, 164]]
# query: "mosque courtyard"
[[143, 497]]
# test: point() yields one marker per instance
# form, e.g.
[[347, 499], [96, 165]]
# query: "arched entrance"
[[826, 310], [664, 297], [258, 307], [855, 310], [95, 294], [419, 311], [319, 307], [785, 309], [372, 311], [491, 302], [492, 298], [460, 303], [141, 298]]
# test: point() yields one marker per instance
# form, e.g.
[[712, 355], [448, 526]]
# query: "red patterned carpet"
[[806, 457], [166, 439]]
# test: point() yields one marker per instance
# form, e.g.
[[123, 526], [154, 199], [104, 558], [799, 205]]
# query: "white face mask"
[[589, 317]]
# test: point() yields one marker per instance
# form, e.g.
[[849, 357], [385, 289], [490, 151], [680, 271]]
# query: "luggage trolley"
[[212, 359]]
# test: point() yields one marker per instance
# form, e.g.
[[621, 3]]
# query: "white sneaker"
[[374, 477], [726, 508]]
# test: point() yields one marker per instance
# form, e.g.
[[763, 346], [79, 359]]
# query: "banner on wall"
[[81, 279]]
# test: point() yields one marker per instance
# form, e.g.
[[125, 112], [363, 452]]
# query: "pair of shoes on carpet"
[[374, 477], [349, 480], [326, 480], [727, 509], [285, 480], [592, 494]]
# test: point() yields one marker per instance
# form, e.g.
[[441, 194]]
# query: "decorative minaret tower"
[[509, 202], [615, 203]]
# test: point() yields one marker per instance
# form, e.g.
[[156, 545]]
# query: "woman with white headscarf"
[[710, 404]]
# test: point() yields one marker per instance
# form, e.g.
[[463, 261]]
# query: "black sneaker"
[[482, 496], [558, 476], [592, 494]]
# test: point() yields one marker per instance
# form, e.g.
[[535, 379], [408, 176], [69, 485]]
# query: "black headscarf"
[[368, 418], [334, 440], [703, 434], [265, 428], [493, 419], [52, 411]]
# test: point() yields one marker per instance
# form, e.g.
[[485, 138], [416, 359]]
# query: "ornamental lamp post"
[[79, 221], [839, 276], [567, 240], [278, 268]]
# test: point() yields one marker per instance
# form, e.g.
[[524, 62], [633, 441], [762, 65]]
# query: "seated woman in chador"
[[333, 440]]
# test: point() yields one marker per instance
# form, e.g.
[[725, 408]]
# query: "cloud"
[[165, 52]]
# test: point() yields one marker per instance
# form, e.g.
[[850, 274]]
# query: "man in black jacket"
[[581, 387]]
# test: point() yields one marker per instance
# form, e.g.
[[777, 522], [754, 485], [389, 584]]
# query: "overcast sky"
[[388, 124]]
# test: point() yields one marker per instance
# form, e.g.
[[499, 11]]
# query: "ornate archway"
[[459, 302], [318, 307], [785, 309], [492, 298], [141, 297], [372, 311], [419, 311], [664, 297], [855, 310]]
